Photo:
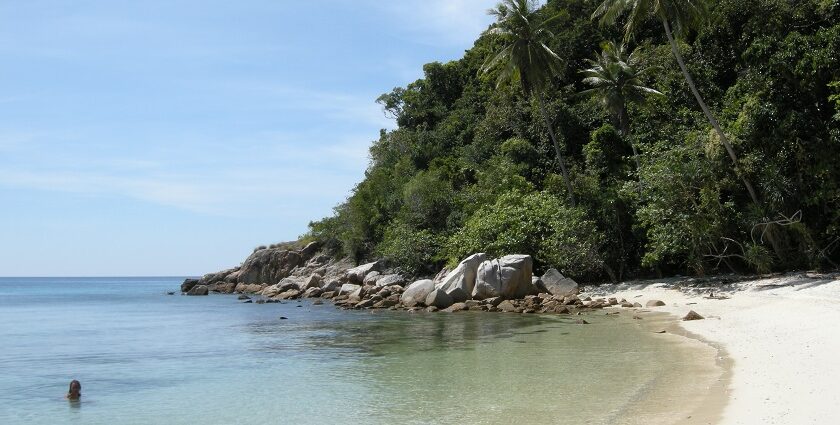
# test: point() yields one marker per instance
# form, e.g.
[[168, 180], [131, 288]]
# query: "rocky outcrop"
[[557, 284], [188, 284], [463, 276], [269, 265], [198, 290], [507, 277], [417, 292]]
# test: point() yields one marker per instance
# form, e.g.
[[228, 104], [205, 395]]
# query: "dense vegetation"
[[590, 96]]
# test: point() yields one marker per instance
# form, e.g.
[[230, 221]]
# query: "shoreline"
[[776, 336]]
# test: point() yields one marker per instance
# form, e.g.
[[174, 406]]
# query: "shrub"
[[538, 224]]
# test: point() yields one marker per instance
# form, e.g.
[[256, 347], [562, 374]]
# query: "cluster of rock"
[[478, 283]]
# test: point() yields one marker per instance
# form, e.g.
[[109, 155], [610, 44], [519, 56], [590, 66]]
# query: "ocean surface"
[[144, 357]]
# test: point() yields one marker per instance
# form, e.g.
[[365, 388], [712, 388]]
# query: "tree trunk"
[[624, 126], [557, 151], [707, 112], [675, 49]]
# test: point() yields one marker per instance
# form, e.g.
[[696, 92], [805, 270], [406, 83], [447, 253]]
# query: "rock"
[[348, 288], [365, 303], [417, 292], [261, 301], [370, 278], [506, 306], [581, 322], [627, 304], [332, 286], [636, 305], [654, 303], [612, 301], [558, 285], [317, 302], [458, 295], [439, 299], [170, 293], [431, 309], [288, 283], [198, 290], [390, 280], [692, 315], [507, 277], [269, 265], [463, 277], [312, 293], [284, 318], [472, 303], [243, 297], [357, 274], [188, 284], [289, 295], [313, 281], [310, 249], [247, 302], [538, 283], [456, 307]]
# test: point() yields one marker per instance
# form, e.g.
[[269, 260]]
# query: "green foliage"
[[415, 251], [471, 166], [537, 223]]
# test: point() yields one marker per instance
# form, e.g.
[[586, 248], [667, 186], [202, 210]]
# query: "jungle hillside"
[[614, 140]]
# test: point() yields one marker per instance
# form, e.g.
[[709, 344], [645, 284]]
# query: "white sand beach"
[[780, 334]]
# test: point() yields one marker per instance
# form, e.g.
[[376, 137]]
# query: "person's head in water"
[[75, 391]]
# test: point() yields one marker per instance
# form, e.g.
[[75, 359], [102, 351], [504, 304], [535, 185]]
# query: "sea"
[[146, 357]]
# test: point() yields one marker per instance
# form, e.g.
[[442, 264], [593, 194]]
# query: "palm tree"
[[525, 57], [616, 78], [682, 14]]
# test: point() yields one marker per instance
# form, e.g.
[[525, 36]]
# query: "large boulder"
[[558, 285], [390, 279], [332, 285], [357, 274], [188, 284], [463, 276], [218, 277], [313, 281], [417, 292], [508, 277], [198, 290], [269, 265], [439, 298], [348, 288]]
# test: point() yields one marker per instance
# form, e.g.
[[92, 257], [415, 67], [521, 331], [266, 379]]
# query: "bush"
[[538, 224], [417, 252]]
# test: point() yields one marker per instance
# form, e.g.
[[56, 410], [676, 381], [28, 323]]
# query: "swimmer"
[[75, 391]]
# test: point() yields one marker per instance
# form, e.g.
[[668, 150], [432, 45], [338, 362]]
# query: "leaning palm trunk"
[[708, 113], [557, 151], [770, 234]]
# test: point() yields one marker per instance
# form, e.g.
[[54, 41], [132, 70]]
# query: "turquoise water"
[[147, 358]]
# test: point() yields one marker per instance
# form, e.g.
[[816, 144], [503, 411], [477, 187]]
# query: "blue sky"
[[171, 137]]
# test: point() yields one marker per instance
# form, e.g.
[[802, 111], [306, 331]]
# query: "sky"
[[171, 137]]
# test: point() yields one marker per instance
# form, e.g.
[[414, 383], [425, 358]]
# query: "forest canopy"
[[571, 132]]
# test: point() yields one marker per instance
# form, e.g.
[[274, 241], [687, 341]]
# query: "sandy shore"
[[781, 336]]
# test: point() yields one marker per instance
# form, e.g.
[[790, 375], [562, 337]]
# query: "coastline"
[[777, 337]]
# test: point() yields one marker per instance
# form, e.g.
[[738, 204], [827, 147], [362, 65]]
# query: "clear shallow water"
[[145, 358]]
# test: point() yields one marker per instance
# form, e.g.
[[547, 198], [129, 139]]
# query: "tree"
[[682, 15], [616, 78], [525, 57]]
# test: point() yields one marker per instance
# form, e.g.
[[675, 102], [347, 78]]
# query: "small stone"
[[506, 306], [581, 322], [243, 297], [260, 301], [247, 302], [283, 318], [431, 309], [317, 302], [692, 315], [637, 317], [655, 303]]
